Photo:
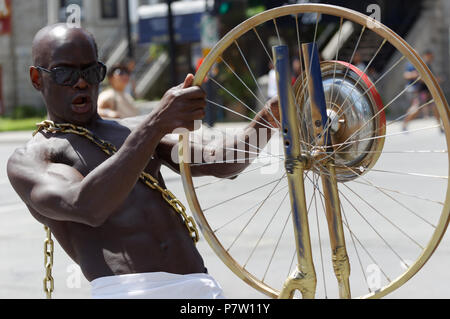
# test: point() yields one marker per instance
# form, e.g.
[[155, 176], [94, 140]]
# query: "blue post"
[[304, 278], [317, 95]]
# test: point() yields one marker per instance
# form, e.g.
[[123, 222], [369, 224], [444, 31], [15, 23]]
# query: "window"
[[109, 9]]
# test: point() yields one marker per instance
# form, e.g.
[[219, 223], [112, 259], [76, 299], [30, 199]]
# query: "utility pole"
[[172, 44], [128, 23], [52, 11]]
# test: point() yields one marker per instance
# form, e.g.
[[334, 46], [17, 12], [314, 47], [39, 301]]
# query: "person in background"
[[296, 70], [358, 61], [131, 87], [419, 95], [272, 82], [115, 102]]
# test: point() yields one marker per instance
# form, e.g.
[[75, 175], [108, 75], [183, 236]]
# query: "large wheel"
[[392, 184]]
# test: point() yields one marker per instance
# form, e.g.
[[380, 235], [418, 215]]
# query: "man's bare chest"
[[85, 156]]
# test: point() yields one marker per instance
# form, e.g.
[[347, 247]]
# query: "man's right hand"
[[180, 107]]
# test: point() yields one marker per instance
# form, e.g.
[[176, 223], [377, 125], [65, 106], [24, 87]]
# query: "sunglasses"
[[69, 76], [121, 72]]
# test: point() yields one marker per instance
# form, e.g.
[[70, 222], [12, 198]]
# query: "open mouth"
[[81, 104]]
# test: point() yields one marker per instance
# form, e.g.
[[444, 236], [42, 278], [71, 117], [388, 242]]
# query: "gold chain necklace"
[[147, 179]]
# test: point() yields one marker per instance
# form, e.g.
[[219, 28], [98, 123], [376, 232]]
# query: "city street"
[[22, 245]]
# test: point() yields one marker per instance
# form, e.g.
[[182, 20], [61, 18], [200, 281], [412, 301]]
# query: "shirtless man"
[[111, 224]]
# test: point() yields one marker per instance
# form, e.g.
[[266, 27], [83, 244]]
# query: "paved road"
[[21, 252]]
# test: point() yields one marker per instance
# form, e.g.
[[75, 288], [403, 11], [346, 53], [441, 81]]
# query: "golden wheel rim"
[[216, 56]]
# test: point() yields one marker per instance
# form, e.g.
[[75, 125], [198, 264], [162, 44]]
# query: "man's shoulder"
[[24, 157], [31, 150], [37, 148]]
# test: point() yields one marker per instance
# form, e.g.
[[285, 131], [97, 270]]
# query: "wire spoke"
[[384, 217], [247, 210], [357, 82], [351, 60], [221, 180], [336, 58], [401, 193], [269, 154], [276, 29], [265, 230], [242, 81], [408, 173], [239, 114], [262, 43], [352, 237], [256, 212], [322, 196], [237, 99], [245, 193], [339, 145], [277, 244], [256, 82], [318, 232], [364, 72], [231, 161], [378, 113], [372, 227]]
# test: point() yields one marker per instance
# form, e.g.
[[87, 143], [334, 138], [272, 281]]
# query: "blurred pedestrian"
[[419, 95], [358, 61], [296, 70], [115, 102], [272, 82], [131, 87]]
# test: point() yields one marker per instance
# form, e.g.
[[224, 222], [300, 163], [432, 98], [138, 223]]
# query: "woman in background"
[[115, 102]]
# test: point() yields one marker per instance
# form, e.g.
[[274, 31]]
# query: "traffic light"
[[221, 7]]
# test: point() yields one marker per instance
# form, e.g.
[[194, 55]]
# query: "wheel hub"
[[357, 121]]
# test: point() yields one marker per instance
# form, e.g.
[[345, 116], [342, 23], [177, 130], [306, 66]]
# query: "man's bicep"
[[55, 188]]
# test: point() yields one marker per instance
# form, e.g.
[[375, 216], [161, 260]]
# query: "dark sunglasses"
[[69, 76]]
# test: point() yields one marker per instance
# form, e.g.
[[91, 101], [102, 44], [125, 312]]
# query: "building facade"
[[104, 18]]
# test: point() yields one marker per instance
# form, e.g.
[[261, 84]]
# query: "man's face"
[[75, 104]]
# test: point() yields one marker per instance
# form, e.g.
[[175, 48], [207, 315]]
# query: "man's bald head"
[[52, 37], [61, 47]]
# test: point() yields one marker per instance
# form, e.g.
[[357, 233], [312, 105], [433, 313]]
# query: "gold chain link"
[[146, 178], [49, 284]]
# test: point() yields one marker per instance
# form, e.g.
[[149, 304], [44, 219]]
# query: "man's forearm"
[[229, 157]]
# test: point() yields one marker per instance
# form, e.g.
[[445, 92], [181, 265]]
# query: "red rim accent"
[[373, 91]]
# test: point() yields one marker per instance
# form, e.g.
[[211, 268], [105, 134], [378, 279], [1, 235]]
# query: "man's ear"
[[36, 78]]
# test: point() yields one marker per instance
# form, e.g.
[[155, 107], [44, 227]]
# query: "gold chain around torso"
[[146, 178]]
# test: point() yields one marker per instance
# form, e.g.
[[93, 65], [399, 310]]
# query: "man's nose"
[[81, 83]]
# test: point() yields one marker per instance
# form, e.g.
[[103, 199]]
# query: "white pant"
[[156, 285]]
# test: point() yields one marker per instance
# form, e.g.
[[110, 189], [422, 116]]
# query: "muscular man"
[[128, 241]]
